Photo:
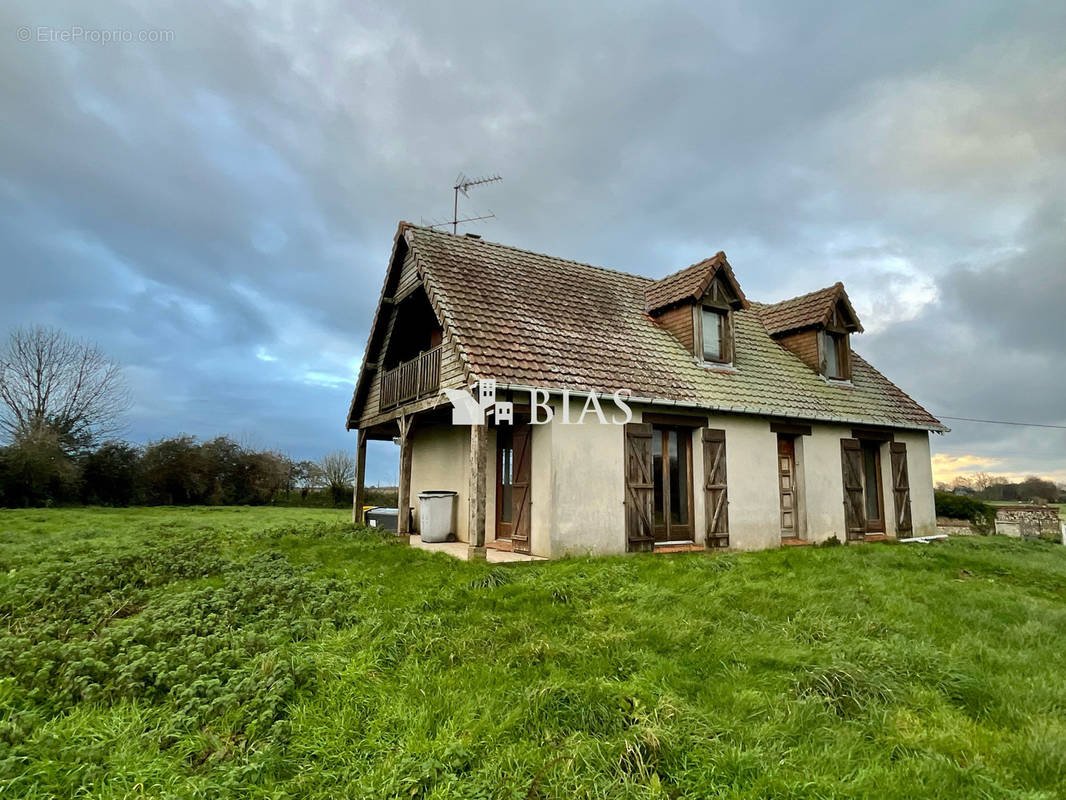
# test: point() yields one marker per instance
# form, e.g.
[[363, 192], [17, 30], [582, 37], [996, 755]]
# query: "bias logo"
[[475, 404]]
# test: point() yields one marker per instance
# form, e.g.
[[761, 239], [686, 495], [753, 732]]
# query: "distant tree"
[[225, 470], [175, 472], [264, 475], [1035, 489], [305, 475], [109, 474], [338, 471], [35, 470], [50, 381]]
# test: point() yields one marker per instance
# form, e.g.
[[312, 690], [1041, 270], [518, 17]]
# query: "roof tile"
[[520, 316]]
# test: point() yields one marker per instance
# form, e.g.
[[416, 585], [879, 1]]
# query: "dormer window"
[[836, 357], [696, 305], [716, 338]]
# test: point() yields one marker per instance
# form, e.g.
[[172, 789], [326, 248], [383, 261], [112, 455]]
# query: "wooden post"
[[360, 479], [476, 495], [403, 516]]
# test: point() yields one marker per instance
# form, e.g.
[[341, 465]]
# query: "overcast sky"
[[216, 209]]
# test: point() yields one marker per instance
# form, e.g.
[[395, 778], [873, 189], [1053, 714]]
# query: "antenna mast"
[[462, 184]]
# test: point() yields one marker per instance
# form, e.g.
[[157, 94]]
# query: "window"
[[871, 468], [672, 483], [835, 355], [505, 471], [716, 336]]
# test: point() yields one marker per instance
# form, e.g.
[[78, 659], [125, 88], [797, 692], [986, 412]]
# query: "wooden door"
[[854, 498], [639, 490], [872, 487], [901, 490], [786, 478], [715, 489], [520, 486], [672, 475]]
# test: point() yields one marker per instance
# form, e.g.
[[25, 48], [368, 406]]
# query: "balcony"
[[411, 380]]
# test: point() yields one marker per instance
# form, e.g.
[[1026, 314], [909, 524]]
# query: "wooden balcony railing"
[[411, 380]]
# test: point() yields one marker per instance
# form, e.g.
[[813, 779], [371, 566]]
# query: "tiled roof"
[[687, 284], [805, 311], [527, 319]]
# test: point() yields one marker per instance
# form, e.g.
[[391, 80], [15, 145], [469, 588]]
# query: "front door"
[[513, 478], [873, 492], [671, 450], [786, 472]]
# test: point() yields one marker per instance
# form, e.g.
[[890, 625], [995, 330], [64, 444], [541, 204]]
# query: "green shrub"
[[955, 506]]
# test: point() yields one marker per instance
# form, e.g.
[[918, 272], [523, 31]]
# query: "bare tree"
[[50, 381], [338, 471], [982, 480]]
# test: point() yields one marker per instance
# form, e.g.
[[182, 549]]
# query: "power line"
[[1005, 422]]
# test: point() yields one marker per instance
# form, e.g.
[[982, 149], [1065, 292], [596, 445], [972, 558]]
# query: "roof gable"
[[689, 285], [812, 310]]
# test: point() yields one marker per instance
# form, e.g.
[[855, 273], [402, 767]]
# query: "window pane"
[[657, 473], [675, 482], [712, 335], [873, 499], [505, 435], [832, 361], [679, 477]]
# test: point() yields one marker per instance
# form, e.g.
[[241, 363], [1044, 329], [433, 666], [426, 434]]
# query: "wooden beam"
[[403, 504], [790, 428], [695, 420], [873, 434], [359, 493], [476, 495]]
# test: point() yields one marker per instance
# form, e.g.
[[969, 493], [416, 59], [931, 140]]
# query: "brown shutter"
[[640, 488], [715, 493], [520, 485], [901, 490], [854, 499]]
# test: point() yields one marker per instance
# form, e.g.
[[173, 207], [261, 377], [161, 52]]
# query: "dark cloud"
[[217, 210]]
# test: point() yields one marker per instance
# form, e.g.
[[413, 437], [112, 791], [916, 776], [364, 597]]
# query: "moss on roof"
[[528, 319]]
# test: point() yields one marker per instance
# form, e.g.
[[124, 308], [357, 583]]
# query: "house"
[[737, 424]]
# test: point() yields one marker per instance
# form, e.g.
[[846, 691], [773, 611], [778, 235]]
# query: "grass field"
[[280, 653]]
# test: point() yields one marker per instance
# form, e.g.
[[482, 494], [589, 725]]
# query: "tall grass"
[[277, 653]]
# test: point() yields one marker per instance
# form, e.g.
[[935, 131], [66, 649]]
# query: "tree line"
[[180, 470], [61, 403], [997, 488]]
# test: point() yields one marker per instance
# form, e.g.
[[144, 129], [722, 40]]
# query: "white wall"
[[541, 517], [824, 483], [751, 475], [822, 503], [920, 472], [578, 481], [440, 459], [587, 503]]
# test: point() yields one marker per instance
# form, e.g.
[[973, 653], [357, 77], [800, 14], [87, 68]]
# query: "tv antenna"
[[463, 184]]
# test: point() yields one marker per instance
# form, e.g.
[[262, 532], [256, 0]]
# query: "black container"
[[381, 518]]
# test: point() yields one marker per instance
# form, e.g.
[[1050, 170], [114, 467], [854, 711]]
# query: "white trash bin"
[[436, 510]]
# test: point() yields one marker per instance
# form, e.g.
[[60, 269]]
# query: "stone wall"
[[1028, 521]]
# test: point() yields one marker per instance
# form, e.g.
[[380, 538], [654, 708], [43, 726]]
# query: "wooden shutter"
[[901, 490], [854, 498], [520, 488], [640, 487], [715, 493]]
